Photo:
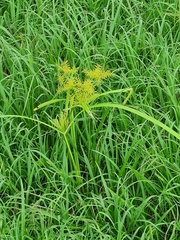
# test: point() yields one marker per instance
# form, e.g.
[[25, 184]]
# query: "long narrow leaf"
[[141, 114], [48, 103]]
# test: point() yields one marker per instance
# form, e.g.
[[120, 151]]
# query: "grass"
[[130, 167]]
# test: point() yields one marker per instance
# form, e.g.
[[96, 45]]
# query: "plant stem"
[[75, 164]]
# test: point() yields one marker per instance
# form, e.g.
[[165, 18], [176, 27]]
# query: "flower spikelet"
[[66, 78], [66, 69], [88, 87], [69, 84], [97, 74], [85, 92], [62, 122]]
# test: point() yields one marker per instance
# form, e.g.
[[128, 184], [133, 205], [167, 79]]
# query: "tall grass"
[[129, 166]]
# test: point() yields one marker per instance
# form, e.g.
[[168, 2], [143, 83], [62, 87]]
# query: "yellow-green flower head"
[[97, 74], [66, 69], [61, 79], [69, 84], [78, 91], [83, 91], [88, 87], [62, 122]]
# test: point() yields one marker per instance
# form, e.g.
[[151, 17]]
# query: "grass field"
[[114, 174]]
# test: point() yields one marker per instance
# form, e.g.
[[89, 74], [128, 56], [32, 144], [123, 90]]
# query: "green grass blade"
[[141, 114]]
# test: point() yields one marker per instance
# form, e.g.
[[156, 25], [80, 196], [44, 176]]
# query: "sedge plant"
[[79, 94]]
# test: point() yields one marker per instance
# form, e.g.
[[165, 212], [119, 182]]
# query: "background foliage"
[[130, 168]]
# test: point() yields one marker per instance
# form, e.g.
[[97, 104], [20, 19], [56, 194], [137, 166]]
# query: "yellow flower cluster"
[[97, 74], [82, 92], [65, 68]]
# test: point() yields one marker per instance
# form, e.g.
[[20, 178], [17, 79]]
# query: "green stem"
[[74, 139], [76, 166]]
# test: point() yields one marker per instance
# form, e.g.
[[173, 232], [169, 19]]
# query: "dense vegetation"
[[130, 167]]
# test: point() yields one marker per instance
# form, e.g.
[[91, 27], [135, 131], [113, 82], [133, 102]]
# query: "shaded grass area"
[[130, 168]]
